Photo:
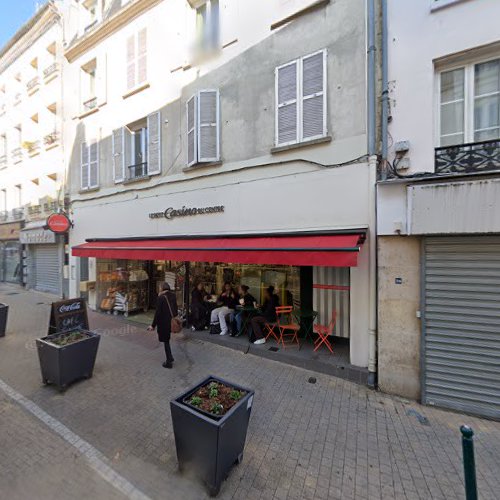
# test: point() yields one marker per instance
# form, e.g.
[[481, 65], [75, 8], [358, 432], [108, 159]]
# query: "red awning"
[[338, 250]]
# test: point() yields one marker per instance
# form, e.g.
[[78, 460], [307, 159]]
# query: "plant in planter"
[[210, 423], [68, 356]]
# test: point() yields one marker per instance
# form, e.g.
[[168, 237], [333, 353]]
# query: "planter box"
[[62, 365], [208, 444]]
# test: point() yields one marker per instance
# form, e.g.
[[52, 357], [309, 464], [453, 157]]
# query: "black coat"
[[163, 318]]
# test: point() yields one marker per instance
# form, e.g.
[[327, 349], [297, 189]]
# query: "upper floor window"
[[202, 118], [137, 68], [208, 25], [301, 99], [469, 103], [88, 85]]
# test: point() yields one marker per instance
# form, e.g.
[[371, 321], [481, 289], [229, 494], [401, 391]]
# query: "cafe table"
[[306, 318], [248, 313]]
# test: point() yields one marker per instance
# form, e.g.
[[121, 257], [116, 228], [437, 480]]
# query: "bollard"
[[469, 463]]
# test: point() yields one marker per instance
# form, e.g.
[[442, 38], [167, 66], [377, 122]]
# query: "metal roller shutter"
[[461, 350], [47, 267]]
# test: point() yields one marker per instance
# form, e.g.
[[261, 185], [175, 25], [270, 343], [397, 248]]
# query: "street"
[[111, 436]]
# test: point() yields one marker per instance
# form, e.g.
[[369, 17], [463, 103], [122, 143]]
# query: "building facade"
[[32, 174], [227, 142], [438, 207]]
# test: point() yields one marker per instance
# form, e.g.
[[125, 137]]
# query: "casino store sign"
[[172, 213]]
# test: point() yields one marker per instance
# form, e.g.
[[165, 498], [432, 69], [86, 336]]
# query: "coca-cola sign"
[[68, 315]]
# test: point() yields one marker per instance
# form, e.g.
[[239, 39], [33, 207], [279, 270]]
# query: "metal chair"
[[286, 325], [325, 331]]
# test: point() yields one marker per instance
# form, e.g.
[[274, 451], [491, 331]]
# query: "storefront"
[[10, 253], [45, 259]]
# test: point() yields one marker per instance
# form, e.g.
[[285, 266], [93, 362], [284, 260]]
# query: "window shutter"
[[142, 60], [154, 143], [84, 165], [102, 80], [118, 155], [94, 164], [192, 139], [208, 123], [130, 62], [286, 100], [314, 96]]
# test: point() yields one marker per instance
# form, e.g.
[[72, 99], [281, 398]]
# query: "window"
[[137, 59], [89, 165], [137, 149], [88, 86], [208, 26], [469, 104], [202, 117], [301, 99]]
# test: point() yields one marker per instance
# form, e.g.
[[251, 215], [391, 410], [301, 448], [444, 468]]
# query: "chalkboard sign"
[[68, 315]]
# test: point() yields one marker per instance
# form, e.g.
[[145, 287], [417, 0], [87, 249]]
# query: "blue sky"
[[13, 14]]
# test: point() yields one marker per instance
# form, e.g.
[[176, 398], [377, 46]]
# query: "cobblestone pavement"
[[328, 440]]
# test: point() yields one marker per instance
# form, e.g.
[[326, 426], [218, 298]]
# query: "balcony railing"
[[17, 213], [33, 84], [3, 161], [90, 104], [468, 158], [17, 155], [32, 147], [137, 171], [50, 70], [51, 139]]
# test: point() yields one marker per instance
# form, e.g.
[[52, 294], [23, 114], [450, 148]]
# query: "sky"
[[13, 14]]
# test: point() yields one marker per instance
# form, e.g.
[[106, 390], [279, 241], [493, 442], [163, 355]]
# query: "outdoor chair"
[[324, 332], [287, 326]]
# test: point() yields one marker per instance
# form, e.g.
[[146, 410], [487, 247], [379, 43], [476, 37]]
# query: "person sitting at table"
[[271, 302], [228, 301], [246, 300], [199, 309]]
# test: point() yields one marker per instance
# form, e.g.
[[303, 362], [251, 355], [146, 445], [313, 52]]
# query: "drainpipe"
[[385, 90], [372, 164]]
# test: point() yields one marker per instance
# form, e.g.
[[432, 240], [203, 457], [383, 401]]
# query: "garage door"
[[47, 268], [461, 324]]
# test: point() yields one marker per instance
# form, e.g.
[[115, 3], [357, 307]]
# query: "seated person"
[[199, 309], [271, 302], [228, 301], [246, 300]]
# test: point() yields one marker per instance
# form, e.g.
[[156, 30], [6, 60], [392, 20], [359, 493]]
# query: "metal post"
[[469, 463]]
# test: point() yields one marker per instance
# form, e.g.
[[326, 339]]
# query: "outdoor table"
[[306, 318], [248, 313]]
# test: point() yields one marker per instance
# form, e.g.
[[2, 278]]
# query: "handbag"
[[175, 322]]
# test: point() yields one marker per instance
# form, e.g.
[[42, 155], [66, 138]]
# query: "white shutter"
[[131, 62], [127, 151], [101, 77], [286, 104], [142, 53], [229, 22], [118, 138], [314, 96], [84, 165], [94, 164], [154, 143], [208, 125], [192, 139]]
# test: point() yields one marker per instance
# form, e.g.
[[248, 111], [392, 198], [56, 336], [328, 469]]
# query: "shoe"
[[260, 341], [193, 329], [223, 333], [167, 364]]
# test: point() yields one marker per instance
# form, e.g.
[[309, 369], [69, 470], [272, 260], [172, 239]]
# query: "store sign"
[[36, 236], [58, 223], [10, 231], [171, 213]]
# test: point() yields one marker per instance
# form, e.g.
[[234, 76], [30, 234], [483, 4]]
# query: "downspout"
[[385, 90], [372, 165]]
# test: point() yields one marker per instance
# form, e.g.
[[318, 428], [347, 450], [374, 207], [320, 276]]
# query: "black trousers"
[[168, 351]]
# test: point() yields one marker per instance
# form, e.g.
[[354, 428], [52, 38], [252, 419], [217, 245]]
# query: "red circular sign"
[[58, 223]]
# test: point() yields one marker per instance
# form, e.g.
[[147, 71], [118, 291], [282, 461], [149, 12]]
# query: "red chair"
[[286, 325], [325, 331]]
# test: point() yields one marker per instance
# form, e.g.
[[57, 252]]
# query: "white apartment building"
[[438, 209], [32, 175], [223, 141]]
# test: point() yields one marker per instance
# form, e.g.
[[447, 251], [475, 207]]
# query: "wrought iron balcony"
[[17, 213], [137, 171], [33, 84], [3, 161], [90, 104], [468, 158], [17, 155], [50, 70]]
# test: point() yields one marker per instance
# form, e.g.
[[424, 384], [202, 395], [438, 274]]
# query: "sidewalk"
[[329, 440]]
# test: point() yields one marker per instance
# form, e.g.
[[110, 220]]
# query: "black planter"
[[4, 312], [62, 365], [207, 444]]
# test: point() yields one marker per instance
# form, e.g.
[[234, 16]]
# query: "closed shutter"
[[313, 96], [118, 138], [131, 62], [286, 101], [84, 166], [47, 268], [191, 120], [142, 56], [461, 324], [208, 119], [94, 164], [154, 143]]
